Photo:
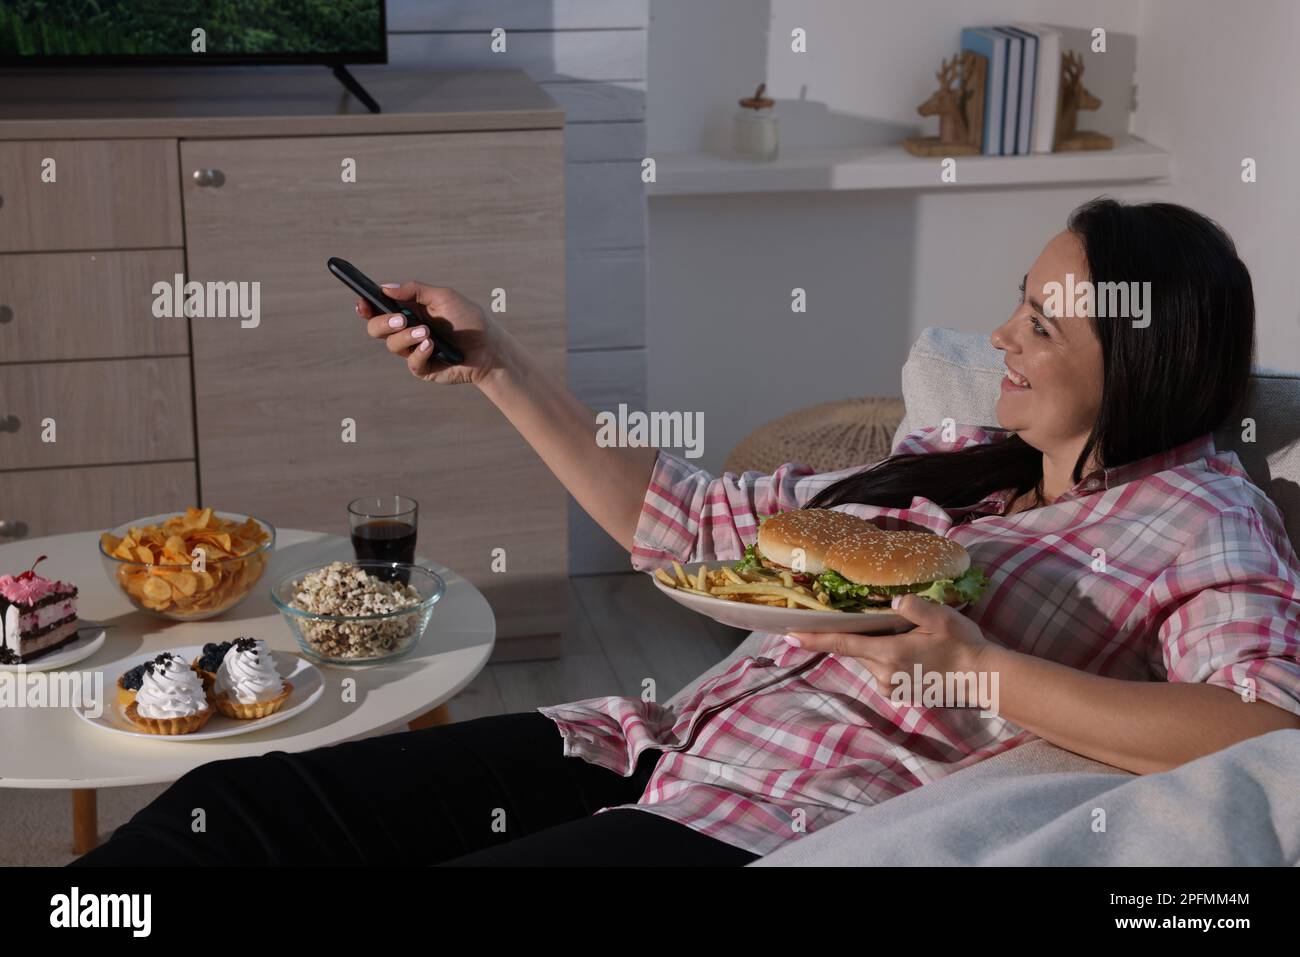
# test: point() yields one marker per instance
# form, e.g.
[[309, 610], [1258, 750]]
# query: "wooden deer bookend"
[[1075, 97], [959, 104]]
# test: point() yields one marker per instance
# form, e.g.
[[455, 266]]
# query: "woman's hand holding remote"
[[473, 332]]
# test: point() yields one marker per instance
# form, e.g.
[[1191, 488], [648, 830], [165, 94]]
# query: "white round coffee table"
[[53, 748]]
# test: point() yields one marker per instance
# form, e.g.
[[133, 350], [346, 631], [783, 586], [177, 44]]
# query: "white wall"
[[1217, 83], [1213, 81]]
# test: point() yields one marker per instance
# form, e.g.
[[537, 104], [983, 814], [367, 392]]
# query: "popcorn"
[[343, 589]]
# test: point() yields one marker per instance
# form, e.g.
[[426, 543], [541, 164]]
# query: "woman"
[[1143, 607]]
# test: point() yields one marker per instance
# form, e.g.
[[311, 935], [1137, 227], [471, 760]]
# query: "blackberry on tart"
[[209, 661]]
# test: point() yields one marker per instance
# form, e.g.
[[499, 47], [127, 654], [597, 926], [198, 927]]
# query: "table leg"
[[85, 820], [439, 715]]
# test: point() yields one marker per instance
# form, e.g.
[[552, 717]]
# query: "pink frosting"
[[30, 590]]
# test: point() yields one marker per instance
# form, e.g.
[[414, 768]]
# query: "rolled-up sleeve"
[[1239, 625], [692, 516]]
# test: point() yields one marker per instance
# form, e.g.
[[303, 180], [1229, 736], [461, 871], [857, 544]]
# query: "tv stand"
[[355, 88]]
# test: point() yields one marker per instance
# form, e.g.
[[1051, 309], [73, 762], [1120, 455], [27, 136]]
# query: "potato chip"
[[187, 582], [156, 589]]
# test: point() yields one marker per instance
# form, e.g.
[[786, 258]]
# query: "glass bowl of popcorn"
[[358, 613]]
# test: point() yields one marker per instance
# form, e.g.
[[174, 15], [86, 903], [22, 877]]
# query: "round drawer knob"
[[209, 177], [12, 529], [6, 315]]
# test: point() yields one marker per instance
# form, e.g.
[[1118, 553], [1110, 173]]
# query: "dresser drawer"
[[106, 194], [95, 305], [54, 501], [128, 410]]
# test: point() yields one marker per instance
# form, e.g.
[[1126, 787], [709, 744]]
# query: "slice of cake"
[[37, 615]]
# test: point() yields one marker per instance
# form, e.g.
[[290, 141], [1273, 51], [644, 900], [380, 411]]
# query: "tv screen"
[[99, 32]]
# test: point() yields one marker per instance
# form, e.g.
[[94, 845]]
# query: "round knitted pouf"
[[830, 436]]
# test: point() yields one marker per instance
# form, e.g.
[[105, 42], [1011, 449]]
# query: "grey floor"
[[622, 633]]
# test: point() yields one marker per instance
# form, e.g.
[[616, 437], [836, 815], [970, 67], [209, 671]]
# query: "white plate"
[[89, 637], [308, 685], [779, 621]]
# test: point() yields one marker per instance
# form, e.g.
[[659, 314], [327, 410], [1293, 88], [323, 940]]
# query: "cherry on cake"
[[37, 615]]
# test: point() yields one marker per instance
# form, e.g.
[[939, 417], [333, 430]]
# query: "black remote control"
[[367, 289]]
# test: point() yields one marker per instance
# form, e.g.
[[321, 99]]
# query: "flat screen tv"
[[66, 33]]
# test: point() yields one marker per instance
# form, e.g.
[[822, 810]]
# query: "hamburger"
[[815, 531], [873, 569], [858, 565]]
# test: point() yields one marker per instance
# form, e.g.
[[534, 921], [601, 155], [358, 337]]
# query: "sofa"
[[1039, 804]]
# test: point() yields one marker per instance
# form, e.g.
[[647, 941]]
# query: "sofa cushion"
[[957, 374]]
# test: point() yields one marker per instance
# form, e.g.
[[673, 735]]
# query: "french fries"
[[780, 591], [732, 575], [726, 583], [680, 573]]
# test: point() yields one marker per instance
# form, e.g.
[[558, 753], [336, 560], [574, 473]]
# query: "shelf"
[[892, 167]]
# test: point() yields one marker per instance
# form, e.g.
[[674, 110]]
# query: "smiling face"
[[1058, 356]]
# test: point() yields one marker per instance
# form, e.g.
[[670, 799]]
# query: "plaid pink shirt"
[[1200, 584]]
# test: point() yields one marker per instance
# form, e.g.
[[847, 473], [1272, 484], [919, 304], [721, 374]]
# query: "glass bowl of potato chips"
[[187, 566]]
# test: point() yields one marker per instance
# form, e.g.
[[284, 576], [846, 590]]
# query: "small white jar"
[[754, 128]]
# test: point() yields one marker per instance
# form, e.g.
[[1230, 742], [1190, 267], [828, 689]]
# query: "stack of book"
[[1021, 87]]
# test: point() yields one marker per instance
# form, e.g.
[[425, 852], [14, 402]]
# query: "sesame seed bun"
[[897, 558], [815, 530]]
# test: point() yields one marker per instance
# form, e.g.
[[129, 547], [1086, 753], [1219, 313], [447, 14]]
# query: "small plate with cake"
[[39, 627], [201, 692]]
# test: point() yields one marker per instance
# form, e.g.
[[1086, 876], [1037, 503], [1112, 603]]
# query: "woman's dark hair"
[[1167, 383]]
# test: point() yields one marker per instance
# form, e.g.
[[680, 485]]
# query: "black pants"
[[493, 791]]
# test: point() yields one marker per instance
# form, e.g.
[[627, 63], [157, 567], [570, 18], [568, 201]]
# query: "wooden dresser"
[[111, 183]]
